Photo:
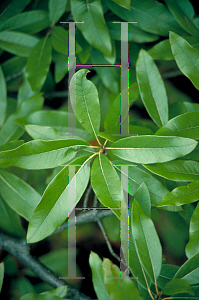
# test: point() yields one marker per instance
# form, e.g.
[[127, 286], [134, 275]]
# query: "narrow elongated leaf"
[[60, 291], [46, 219], [177, 286], [192, 248], [143, 197], [167, 273], [38, 63], [185, 125], [19, 195], [152, 88], [106, 183], [13, 8], [10, 130], [152, 149], [178, 170], [189, 271], [17, 43], [11, 145], [147, 14], [9, 221], [59, 40], [123, 3], [146, 240], [124, 288], [94, 24], [27, 22], [56, 9], [2, 269], [182, 18], [85, 102], [182, 195], [61, 65], [39, 154], [182, 52], [3, 102], [98, 276]]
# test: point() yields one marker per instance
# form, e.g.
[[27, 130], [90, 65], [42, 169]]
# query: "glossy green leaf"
[[136, 176], [61, 65], [17, 43], [179, 108], [182, 195], [182, 52], [19, 195], [39, 154], [185, 125], [146, 240], [123, 288], [189, 271], [32, 296], [59, 40], [60, 291], [86, 47], [152, 90], [27, 22], [182, 18], [14, 7], [11, 145], [152, 149], [194, 155], [56, 9], [3, 102], [135, 34], [10, 222], [142, 196], [192, 248], [91, 13], [98, 276], [113, 133], [10, 130], [123, 3], [85, 102], [57, 120], [38, 63], [1, 274], [177, 286], [178, 170], [114, 113], [167, 273], [147, 14], [12, 66], [46, 219], [106, 183]]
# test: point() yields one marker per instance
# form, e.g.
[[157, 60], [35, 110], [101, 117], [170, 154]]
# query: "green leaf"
[[9, 221], [13, 8], [192, 248], [98, 277], [152, 89], [182, 52], [182, 195], [167, 273], [32, 296], [182, 18], [61, 65], [152, 149], [59, 40], [189, 271], [19, 195], [106, 183], [85, 102], [185, 125], [3, 102], [113, 133], [17, 43], [123, 3], [60, 291], [146, 240], [143, 197], [27, 22], [177, 286], [86, 47], [123, 288], [56, 9], [147, 14], [39, 154], [46, 219], [38, 63], [1, 274], [57, 120], [11, 145], [178, 170], [10, 130], [91, 13], [179, 108]]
